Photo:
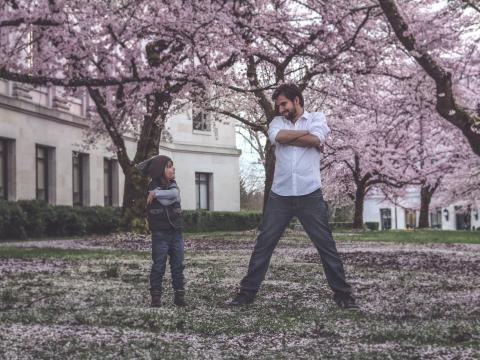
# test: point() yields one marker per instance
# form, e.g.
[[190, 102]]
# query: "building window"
[[79, 178], [202, 190], [201, 121], [3, 170], [410, 219], [110, 182], [44, 173], [386, 219], [436, 219], [463, 217], [7, 169]]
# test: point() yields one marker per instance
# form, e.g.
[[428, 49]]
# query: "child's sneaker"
[[179, 299], [156, 301], [345, 301]]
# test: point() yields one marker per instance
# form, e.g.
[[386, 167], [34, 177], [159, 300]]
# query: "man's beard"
[[291, 114]]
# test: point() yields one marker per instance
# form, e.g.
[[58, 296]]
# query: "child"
[[164, 216]]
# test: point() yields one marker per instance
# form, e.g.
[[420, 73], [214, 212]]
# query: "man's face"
[[286, 107]]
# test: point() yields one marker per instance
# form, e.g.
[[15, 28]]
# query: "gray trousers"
[[311, 210]]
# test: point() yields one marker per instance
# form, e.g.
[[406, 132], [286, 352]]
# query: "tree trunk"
[[134, 192], [134, 201], [269, 170], [426, 193], [135, 189], [359, 201]]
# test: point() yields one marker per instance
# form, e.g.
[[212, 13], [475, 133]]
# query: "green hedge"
[[13, 221], [35, 218], [372, 225], [341, 225], [202, 220]]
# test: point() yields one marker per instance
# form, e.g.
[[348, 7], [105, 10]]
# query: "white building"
[[404, 213], [42, 157]]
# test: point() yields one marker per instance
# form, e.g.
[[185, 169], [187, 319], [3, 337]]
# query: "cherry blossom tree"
[[436, 35], [132, 58], [291, 43], [367, 147], [136, 58]]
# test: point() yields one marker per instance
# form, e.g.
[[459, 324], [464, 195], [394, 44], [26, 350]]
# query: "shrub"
[[36, 211], [372, 225], [202, 220], [101, 220], [341, 225], [35, 218], [64, 221], [13, 221]]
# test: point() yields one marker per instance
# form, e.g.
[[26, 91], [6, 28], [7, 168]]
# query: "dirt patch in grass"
[[14, 266], [409, 260]]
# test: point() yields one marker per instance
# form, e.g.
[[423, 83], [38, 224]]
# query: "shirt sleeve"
[[170, 194], [166, 202], [275, 126], [319, 127]]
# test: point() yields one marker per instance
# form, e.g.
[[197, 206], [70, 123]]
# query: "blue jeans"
[[311, 210], [167, 243]]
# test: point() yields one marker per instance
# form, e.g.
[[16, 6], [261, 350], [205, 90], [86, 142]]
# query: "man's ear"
[[296, 101]]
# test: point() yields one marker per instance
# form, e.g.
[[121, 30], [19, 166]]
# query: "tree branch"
[[446, 104], [74, 82]]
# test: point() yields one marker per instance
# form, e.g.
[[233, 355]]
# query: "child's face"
[[169, 171]]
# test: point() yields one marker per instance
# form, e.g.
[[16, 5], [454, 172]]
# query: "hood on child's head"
[[155, 168]]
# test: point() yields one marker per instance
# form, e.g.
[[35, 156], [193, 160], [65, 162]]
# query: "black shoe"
[[156, 301], [345, 301], [242, 299], [179, 299]]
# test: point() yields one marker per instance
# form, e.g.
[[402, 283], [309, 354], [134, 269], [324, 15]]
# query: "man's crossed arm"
[[301, 138]]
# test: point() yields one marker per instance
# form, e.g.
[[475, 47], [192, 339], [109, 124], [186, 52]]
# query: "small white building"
[[404, 213], [42, 155]]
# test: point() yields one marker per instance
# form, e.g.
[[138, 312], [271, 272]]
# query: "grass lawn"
[[419, 296], [414, 236]]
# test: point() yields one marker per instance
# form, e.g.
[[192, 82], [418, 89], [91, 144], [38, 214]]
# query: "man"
[[296, 191]]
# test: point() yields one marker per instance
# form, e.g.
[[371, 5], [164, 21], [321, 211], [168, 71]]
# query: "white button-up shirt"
[[297, 169]]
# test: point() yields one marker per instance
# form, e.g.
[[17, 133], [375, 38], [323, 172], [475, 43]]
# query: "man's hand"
[[151, 197]]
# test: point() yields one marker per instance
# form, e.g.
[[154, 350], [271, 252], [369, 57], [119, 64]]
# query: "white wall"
[[29, 120], [28, 131], [225, 187], [374, 202]]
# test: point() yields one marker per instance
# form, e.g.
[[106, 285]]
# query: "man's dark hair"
[[290, 91]]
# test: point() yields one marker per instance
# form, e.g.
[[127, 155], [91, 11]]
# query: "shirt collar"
[[305, 116]]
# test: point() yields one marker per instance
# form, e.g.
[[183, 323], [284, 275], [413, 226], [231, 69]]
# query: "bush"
[[100, 219], [13, 221], [35, 218], [202, 220], [36, 212], [373, 225], [341, 225], [65, 221]]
